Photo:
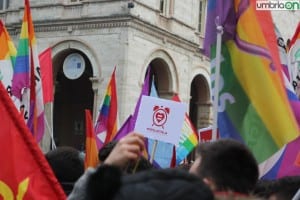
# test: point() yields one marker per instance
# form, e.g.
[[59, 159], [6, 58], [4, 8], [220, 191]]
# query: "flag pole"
[[297, 195], [153, 151], [217, 77]]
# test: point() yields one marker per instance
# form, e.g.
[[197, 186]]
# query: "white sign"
[[160, 119]]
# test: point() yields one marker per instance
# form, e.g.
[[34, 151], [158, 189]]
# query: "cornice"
[[97, 23]]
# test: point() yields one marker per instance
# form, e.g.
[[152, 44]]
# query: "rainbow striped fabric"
[[8, 54], [253, 104], [106, 125], [188, 138], [26, 83]]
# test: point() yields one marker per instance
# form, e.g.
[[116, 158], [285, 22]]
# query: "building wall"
[[287, 22], [111, 34]]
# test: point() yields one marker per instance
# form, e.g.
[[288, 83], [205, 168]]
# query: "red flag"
[[91, 150], [24, 170], [47, 76]]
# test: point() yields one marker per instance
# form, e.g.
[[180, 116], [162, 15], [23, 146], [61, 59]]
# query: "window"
[[4, 4], [165, 7], [202, 13], [162, 6]]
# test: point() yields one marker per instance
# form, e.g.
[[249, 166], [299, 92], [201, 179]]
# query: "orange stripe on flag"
[[91, 150], [297, 161]]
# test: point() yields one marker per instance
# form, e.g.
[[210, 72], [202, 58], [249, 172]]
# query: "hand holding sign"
[[160, 119]]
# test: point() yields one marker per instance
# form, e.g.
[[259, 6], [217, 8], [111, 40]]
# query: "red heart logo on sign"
[[159, 116]]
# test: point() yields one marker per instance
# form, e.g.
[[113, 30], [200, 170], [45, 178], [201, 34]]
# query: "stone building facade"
[[129, 34]]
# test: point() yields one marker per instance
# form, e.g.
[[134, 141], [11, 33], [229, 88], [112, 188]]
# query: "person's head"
[[264, 188], [226, 165], [171, 184], [285, 188], [106, 182], [67, 165]]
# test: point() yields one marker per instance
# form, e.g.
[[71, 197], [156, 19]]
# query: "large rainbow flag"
[[8, 54], [106, 124], [26, 83], [253, 103]]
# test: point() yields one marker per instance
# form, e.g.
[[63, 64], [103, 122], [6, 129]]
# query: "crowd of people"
[[223, 169]]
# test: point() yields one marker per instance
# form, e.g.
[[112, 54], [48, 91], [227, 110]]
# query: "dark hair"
[[283, 188], [263, 188], [229, 164], [143, 163], [67, 166], [105, 150], [169, 184]]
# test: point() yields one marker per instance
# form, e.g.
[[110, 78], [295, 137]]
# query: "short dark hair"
[[229, 164], [283, 188], [163, 184], [67, 166]]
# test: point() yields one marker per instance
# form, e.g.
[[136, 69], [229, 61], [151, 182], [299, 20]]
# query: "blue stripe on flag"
[[22, 64]]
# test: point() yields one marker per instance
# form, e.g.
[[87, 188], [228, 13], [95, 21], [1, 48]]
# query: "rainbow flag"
[[91, 150], [253, 104], [8, 54], [286, 161], [188, 138], [106, 125], [294, 60], [26, 83]]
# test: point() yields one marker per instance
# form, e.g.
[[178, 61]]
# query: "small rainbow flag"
[[106, 125], [26, 84], [188, 138], [8, 54]]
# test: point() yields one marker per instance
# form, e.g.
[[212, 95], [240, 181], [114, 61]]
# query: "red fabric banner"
[[24, 170], [47, 75]]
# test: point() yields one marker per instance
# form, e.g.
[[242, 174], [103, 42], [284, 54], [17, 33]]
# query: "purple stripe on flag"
[[145, 91], [125, 129], [223, 10], [40, 124], [20, 76], [288, 165]]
